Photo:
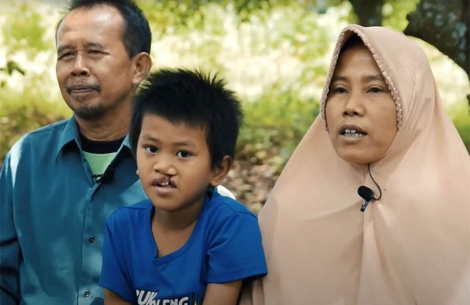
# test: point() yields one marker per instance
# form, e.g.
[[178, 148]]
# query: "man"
[[59, 184]]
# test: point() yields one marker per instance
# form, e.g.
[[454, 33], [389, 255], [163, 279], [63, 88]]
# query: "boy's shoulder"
[[130, 213], [223, 207]]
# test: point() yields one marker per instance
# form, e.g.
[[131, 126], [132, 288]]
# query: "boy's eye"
[[151, 149], [183, 154]]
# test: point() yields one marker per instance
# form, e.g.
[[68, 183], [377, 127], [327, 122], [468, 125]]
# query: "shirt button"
[[91, 240], [86, 294]]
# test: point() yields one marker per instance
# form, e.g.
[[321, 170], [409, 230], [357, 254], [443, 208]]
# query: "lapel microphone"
[[366, 193]]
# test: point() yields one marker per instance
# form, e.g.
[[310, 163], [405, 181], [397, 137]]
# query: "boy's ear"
[[221, 171]]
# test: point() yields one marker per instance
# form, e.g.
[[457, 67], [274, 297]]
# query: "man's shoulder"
[[37, 142], [47, 130], [42, 134]]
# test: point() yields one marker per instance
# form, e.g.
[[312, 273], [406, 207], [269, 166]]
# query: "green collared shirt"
[[53, 215]]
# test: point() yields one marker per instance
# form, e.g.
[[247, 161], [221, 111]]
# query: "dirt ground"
[[251, 183]]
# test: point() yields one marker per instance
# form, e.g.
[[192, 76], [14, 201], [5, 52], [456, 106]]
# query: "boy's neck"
[[177, 220]]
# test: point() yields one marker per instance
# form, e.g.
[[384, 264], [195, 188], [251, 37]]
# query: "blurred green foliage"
[[461, 118], [273, 53], [25, 31]]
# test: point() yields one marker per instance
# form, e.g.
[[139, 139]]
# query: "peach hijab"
[[411, 247]]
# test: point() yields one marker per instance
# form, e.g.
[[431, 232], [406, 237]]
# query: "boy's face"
[[174, 164]]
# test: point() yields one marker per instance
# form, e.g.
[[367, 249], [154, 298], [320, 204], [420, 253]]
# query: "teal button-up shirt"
[[53, 215]]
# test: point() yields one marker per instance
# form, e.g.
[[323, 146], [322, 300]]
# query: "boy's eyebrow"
[[185, 143], [176, 144], [148, 137]]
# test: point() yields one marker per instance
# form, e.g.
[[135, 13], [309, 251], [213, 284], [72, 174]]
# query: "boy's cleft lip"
[[163, 181]]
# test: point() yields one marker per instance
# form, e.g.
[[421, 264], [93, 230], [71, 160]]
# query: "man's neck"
[[108, 128]]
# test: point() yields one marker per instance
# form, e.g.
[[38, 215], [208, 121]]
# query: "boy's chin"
[[172, 206]]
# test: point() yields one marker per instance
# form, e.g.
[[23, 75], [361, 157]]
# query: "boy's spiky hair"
[[136, 34], [193, 98]]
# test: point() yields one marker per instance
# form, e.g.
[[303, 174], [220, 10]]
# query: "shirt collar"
[[70, 134]]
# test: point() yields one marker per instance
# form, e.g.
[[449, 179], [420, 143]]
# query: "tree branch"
[[444, 24], [368, 12]]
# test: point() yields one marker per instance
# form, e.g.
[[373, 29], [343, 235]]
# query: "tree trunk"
[[446, 25], [368, 12]]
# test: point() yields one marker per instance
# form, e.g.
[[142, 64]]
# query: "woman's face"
[[360, 111]]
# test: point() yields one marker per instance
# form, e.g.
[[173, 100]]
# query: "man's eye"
[[151, 149], [183, 154], [65, 55]]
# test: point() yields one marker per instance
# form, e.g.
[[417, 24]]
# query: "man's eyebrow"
[[89, 45], [94, 45], [61, 49]]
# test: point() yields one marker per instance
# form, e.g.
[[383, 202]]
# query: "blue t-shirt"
[[224, 246]]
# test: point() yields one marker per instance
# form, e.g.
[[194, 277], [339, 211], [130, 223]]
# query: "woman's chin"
[[357, 157]]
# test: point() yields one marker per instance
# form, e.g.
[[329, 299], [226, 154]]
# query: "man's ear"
[[142, 63], [221, 171]]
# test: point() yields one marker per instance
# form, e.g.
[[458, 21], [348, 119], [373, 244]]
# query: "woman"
[[382, 126]]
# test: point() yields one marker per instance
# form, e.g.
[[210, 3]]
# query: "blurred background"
[[273, 53]]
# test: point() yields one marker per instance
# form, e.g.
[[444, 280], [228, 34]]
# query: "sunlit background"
[[274, 56]]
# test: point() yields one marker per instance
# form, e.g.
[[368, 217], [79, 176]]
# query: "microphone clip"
[[364, 205], [97, 178]]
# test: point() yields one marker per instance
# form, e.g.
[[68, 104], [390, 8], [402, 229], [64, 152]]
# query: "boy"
[[185, 245]]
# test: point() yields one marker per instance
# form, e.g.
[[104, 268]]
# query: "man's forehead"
[[90, 22], [98, 16]]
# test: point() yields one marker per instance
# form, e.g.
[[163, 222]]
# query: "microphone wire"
[[380, 190]]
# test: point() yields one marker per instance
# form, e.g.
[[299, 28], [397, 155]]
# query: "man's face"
[[94, 71]]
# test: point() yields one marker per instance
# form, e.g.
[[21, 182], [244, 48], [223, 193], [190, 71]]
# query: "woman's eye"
[[151, 149], [339, 90], [183, 154], [375, 90]]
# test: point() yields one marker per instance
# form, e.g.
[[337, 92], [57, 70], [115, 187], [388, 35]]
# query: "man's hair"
[[136, 34], [195, 99]]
